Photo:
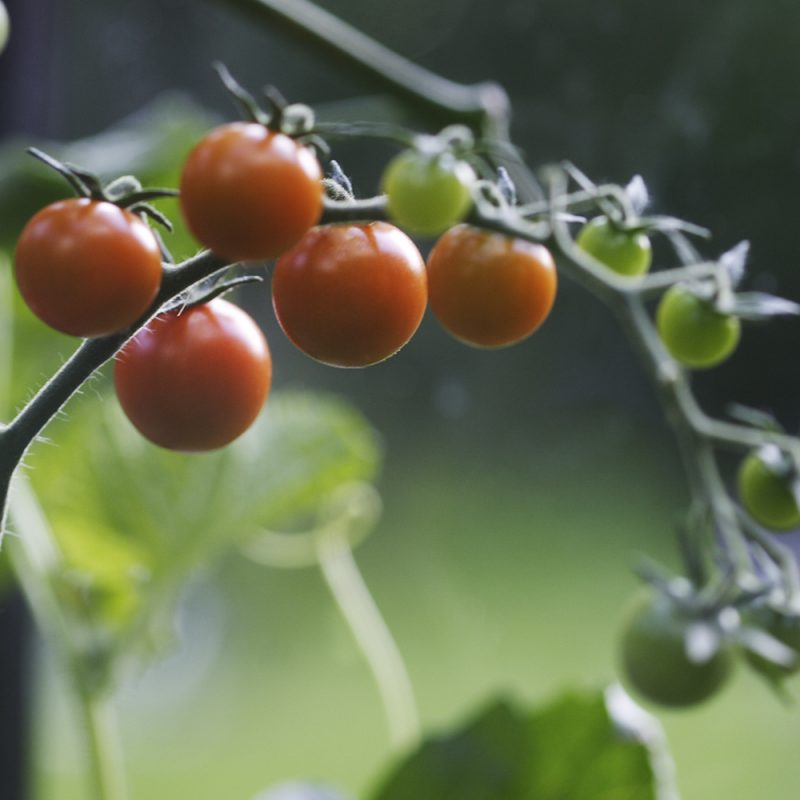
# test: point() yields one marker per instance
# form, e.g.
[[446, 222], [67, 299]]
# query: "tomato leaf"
[[582, 746]]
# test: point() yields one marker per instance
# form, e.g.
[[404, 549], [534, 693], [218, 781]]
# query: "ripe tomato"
[[624, 252], [767, 495], [693, 332], [426, 194], [196, 379], [654, 660], [487, 289], [86, 267], [248, 193], [350, 295]]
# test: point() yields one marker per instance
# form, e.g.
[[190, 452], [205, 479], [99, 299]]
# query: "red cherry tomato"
[[195, 380], [87, 267], [350, 295], [248, 193], [487, 289]]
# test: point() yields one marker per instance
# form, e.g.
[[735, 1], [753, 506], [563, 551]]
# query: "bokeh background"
[[519, 485]]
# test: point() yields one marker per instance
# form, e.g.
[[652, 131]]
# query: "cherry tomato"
[[196, 379], [426, 194], [624, 252], [350, 295], [654, 659], [693, 332], [248, 193], [767, 495], [487, 289], [87, 267]]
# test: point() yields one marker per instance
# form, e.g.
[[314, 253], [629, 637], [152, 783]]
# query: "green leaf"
[[132, 520], [579, 753], [484, 760], [571, 749]]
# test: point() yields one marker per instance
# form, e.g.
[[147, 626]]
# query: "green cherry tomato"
[[654, 660], [694, 333], [3, 26], [426, 194], [767, 495], [624, 252]]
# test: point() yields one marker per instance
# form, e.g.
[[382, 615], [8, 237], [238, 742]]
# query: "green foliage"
[[570, 749], [130, 521]]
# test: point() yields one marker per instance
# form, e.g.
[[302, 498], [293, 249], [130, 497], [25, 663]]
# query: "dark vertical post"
[[26, 108]]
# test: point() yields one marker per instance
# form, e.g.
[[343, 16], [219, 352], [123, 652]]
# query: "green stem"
[[372, 636], [36, 558], [103, 745], [484, 106]]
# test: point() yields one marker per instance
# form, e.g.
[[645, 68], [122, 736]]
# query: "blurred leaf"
[[123, 510], [486, 759], [579, 753], [570, 750], [754, 417]]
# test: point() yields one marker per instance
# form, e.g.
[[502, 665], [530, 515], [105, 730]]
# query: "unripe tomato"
[[624, 252], [767, 495], [350, 295], [654, 660], [195, 379], [694, 333], [487, 289], [87, 267], [248, 193], [426, 194]]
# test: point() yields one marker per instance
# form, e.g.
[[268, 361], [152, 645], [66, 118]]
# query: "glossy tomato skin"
[[86, 267], [426, 194], [627, 253], [350, 295], [248, 193], [654, 660], [693, 332], [195, 380], [487, 289], [767, 496]]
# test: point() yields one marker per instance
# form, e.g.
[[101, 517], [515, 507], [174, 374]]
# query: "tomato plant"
[[350, 295], [693, 331], [488, 289], [626, 252], [249, 193], [785, 628], [87, 268], [427, 193], [655, 660], [195, 379], [766, 492]]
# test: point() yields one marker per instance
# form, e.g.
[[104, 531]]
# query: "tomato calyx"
[[295, 120], [125, 192]]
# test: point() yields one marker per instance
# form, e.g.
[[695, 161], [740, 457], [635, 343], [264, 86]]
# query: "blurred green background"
[[519, 485]]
